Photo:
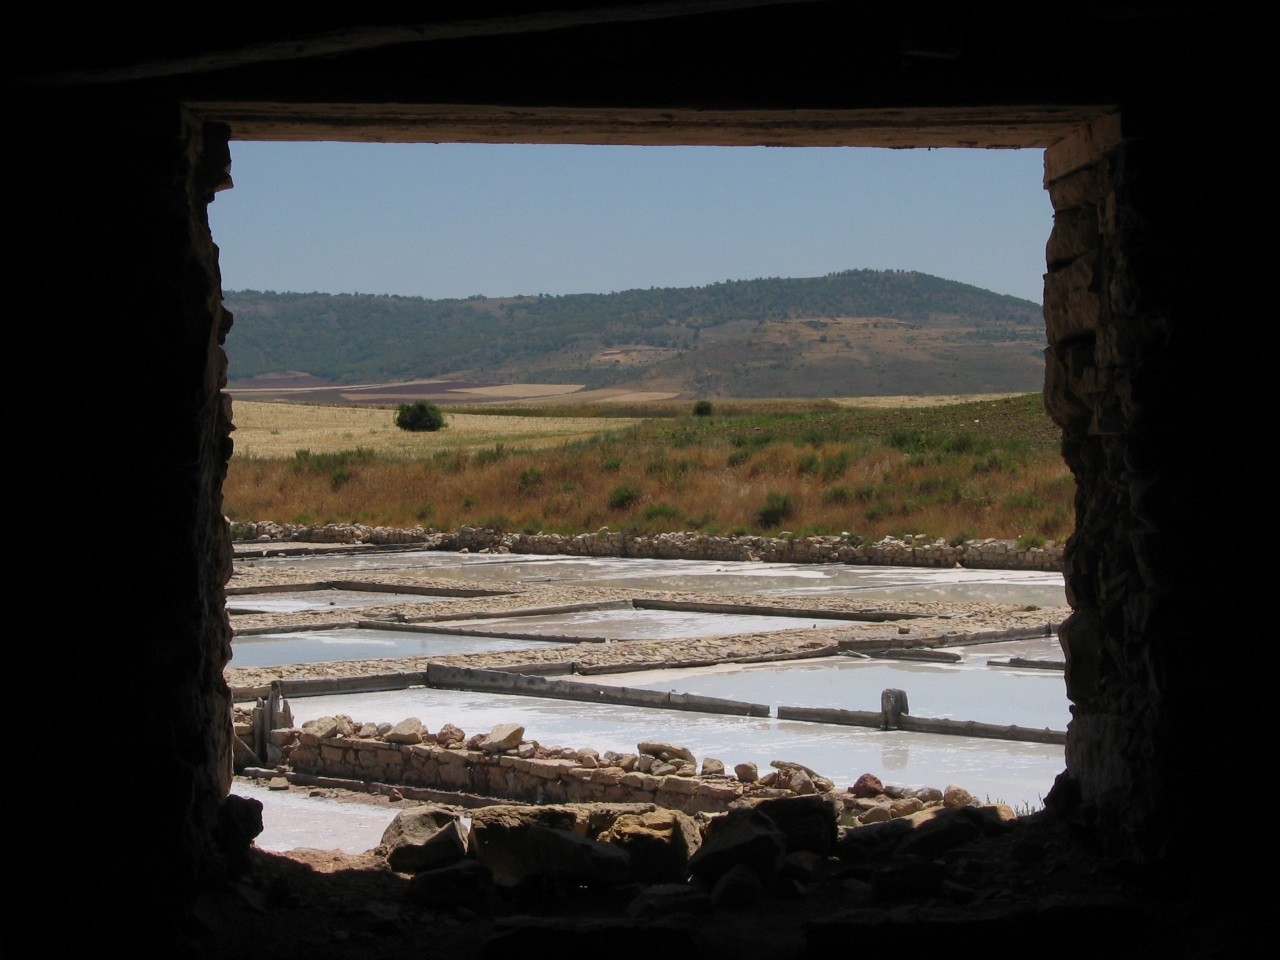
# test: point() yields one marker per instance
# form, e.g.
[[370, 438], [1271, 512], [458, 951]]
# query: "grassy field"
[[956, 468]]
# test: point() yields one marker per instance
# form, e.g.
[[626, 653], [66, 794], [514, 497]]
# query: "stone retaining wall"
[[916, 551], [523, 772], [501, 764], [506, 775]]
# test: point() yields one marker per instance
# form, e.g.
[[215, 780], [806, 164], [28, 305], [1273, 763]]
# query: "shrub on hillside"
[[703, 408], [419, 416], [777, 507], [623, 496]]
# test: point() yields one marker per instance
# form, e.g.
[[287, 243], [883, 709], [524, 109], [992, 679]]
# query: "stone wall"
[[917, 551], [502, 765], [123, 299], [1146, 279]]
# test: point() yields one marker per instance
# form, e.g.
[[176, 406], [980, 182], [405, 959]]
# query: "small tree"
[[419, 416], [703, 408]]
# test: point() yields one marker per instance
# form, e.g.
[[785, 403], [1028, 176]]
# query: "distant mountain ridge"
[[857, 332]]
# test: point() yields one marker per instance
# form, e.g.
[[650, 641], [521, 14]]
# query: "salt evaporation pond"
[[375, 643], [966, 690], [1014, 772], [291, 821], [626, 623], [303, 601], [359, 643], [1038, 588], [1019, 774]]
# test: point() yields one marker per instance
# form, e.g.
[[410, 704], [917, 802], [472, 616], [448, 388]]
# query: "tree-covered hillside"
[[745, 336]]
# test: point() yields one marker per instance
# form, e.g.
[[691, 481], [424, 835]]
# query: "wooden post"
[[260, 730], [893, 704], [278, 713]]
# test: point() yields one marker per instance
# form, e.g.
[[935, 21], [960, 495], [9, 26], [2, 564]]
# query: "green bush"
[[838, 495], [996, 463], [450, 461], [703, 408], [420, 416], [623, 496], [304, 461], [661, 511], [777, 507], [834, 466], [483, 457], [1027, 499]]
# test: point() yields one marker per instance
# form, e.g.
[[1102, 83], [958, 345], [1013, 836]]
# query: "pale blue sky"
[[452, 220]]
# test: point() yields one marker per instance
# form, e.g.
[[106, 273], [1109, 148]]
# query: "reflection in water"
[[895, 758]]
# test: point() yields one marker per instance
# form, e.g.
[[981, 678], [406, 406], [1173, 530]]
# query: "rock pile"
[[777, 845]]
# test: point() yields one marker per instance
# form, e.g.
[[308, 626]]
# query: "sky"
[[454, 220]]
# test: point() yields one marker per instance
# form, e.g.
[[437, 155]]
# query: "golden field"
[[266, 430]]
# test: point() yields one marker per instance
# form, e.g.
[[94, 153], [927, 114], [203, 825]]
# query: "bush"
[[483, 457], [834, 466], [623, 496], [703, 408], [838, 495], [661, 511], [777, 507], [304, 461], [420, 416]]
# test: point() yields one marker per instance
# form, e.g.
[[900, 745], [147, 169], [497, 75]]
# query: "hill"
[[857, 332]]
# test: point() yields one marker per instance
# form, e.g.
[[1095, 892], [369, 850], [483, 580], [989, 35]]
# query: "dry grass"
[[279, 430], [963, 471]]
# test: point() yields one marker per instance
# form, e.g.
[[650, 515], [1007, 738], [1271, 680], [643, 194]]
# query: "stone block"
[[1072, 307], [1075, 233], [724, 792], [549, 769], [685, 786]]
